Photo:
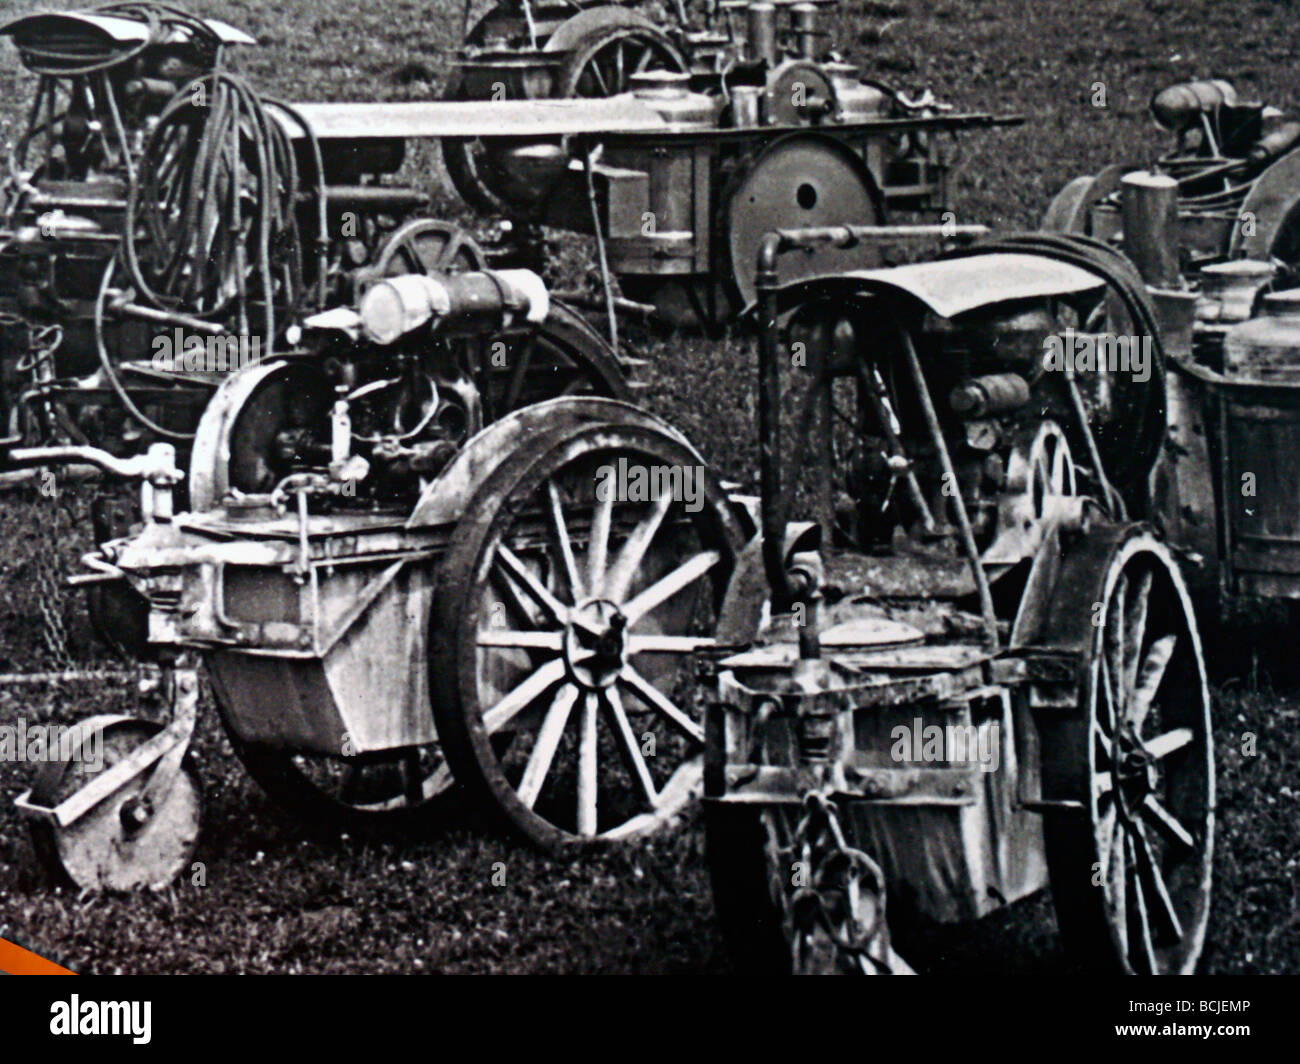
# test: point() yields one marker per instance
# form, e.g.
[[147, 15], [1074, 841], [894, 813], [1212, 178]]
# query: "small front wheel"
[[122, 843]]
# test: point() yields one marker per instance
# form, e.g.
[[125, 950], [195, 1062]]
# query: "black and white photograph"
[[641, 487]]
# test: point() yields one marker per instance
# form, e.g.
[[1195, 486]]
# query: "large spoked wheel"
[[610, 46], [1132, 882], [568, 616], [1050, 469], [472, 163], [119, 844], [604, 62], [389, 791]]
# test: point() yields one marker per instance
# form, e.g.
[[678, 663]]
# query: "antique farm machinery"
[[1225, 490], [1215, 231], [428, 476], [393, 579], [1238, 175], [162, 224], [970, 666], [762, 126]]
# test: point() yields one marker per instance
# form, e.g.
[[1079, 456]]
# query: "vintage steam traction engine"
[[971, 667], [393, 512], [153, 192], [152, 195], [1238, 174], [954, 662], [762, 126], [383, 606], [974, 668], [1216, 232]]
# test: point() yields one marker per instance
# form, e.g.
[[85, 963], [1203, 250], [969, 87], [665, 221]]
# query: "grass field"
[[277, 900]]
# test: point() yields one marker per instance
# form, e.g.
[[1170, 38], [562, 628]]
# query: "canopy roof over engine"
[[115, 29], [950, 287]]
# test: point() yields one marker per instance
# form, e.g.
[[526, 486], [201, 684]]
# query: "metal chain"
[[50, 595], [844, 897]]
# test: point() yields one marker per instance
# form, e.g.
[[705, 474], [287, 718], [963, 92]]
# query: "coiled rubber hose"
[[161, 20], [212, 224]]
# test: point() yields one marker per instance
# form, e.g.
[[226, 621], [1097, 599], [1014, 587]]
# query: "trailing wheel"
[[123, 842], [472, 163], [1131, 876], [566, 621]]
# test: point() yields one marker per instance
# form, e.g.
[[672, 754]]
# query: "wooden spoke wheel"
[[568, 615], [117, 845], [1050, 469], [599, 65], [472, 164], [1131, 878], [603, 63]]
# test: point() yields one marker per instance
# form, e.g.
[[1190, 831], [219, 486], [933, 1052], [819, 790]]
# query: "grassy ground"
[[277, 900]]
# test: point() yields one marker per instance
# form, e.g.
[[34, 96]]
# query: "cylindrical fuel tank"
[[1180, 107], [668, 93], [854, 100], [761, 22], [1268, 345]]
